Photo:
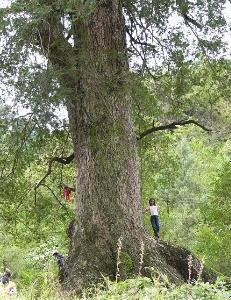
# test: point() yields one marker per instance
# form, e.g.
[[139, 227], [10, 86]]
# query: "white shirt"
[[153, 210]]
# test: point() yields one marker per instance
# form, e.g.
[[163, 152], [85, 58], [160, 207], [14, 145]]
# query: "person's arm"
[[146, 209]]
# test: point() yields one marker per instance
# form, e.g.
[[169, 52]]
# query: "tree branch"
[[188, 19], [67, 160], [137, 41], [63, 160], [56, 198], [171, 126]]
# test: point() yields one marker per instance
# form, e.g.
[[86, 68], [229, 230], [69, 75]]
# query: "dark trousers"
[[155, 225]]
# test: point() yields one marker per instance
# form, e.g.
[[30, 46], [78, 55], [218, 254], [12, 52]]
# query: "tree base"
[[144, 256]]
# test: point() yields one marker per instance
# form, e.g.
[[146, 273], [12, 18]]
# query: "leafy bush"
[[139, 288]]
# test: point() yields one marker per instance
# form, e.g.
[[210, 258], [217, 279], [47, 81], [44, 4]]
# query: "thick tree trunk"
[[95, 74], [108, 199]]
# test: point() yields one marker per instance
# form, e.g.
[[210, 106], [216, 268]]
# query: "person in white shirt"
[[154, 216]]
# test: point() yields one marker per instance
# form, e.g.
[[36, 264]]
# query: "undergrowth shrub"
[[139, 288]]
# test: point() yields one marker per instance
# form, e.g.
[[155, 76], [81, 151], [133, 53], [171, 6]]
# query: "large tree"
[[84, 44]]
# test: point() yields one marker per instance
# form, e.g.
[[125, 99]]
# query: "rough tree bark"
[[108, 201], [95, 75]]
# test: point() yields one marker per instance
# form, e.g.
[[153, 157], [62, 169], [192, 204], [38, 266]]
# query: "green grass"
[[139, 288]]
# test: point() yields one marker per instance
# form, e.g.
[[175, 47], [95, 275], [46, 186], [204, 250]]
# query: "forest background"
[[186, 167]]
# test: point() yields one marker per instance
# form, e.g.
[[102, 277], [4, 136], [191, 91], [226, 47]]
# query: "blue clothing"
[[61, 265], [155, 225], [60, 261], [4, 279]]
